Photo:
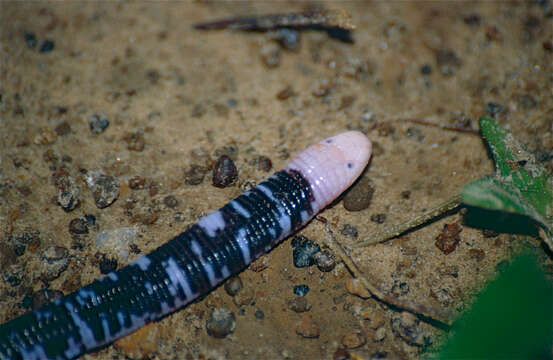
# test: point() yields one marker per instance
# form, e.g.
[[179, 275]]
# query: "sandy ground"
[[175, 96]]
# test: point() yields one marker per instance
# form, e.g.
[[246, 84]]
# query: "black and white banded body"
[[190, 265]]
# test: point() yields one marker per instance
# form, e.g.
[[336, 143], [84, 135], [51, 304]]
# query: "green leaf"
[[520, 184], [510, 319]]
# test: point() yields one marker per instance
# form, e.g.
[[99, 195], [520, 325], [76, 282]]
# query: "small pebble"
[[44, 296], [220, 323], [349, 230], [325, 261], [68, 193], [308, 328], [449, 238], [378, 218], [303, 250], [354, 340], [299, 304], [407, 326], [105, 189], [233, 286], [170, 201], [426, 69], [301, 290], [195, 174], [137, 183], [224, 172], [359, 196], [98, 123], [53, 261], [30, 39], [259, 314], [46, 46], [78, 226], [354, 287], [264, 163]]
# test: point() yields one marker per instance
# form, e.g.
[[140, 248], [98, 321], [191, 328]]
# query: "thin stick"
[[439, 126], [397, 230], [429, 312]]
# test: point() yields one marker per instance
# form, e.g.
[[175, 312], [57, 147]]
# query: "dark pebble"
[[54, 261], [301, 290], [220, 323], [448, 62], [259, 314], [44, 296], [378, 218], [299, 304], [472, 19], [170, 201], [90, 219], [195, 174], [303, 250], [233, 286], [494, 108], [264, 163], [46, 46], [359, 196], [426, 69], [232, 103], [325, 261], [68, 193], [105, 190], [405, 194], [78, 226], [349, 230], [30, 39], [107, 265], [224, 172], [98, 123]]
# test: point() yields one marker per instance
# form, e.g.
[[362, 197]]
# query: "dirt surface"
[[176, 97]]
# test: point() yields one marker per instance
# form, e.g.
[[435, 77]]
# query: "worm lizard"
[[218, 246]]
